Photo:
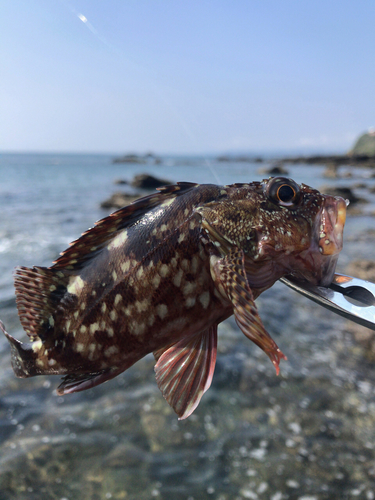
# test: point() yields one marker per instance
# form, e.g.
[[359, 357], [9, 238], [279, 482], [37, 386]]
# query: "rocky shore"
[[355, 160]]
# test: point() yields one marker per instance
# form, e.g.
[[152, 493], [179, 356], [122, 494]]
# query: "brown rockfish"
[[159, 276]]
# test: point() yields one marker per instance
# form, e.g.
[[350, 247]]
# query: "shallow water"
[[307, 434]]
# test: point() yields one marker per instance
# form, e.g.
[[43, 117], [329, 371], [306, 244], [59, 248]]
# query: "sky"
[[185, 77]]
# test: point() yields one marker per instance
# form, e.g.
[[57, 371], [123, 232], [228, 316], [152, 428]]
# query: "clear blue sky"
[[178, 76]]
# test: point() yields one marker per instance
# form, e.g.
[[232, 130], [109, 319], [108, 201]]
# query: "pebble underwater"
[[160, 274]]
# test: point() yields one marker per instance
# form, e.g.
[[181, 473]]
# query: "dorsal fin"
[[93, 240]]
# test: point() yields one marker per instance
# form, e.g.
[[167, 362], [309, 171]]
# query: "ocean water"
[[306, 434]]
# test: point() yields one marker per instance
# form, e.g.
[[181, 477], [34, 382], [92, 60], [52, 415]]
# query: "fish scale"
[[159, 276]]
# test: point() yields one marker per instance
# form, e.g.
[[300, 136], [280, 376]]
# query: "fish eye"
[[282, 191]]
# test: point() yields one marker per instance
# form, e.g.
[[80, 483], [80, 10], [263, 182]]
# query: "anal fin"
[[184, 371], [82, 382]]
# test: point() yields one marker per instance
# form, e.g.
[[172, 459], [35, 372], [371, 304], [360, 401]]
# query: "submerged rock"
[[118, 200], [274, 170], [147, 181], [139, 159]]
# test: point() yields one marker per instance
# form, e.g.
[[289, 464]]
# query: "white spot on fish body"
[[110, 350], [36, 346], [76, 285], [119, 240], [140, 272], [80, 347], [190, 302], [185, 264], [94, 327], [164, 270], [118, 299], [189, 288], [142, 306], [204, 299], [181, 238], [127, 311], [110, 331], [114, 275], [83, 329], [137, 328], [163, 228], [125, 266], [104, 307], [162, 310], [167, 203], [156, 281], [176, 280], [113, 315]]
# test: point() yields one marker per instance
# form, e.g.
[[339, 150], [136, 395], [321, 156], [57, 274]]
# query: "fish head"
[[314, 225], [283, 228]]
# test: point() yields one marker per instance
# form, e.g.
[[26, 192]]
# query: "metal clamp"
[[350, 297]]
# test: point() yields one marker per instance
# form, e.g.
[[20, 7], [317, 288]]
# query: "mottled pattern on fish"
[[160, 274]]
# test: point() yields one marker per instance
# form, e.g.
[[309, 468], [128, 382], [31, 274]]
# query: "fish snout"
[[332, 221], [330, 237]]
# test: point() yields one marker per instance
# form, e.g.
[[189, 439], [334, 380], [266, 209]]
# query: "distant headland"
[[361, 154]]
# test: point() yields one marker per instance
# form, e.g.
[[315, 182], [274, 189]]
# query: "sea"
[[307, 434]]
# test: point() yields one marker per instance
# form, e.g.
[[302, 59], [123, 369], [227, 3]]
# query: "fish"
[[159, 275]]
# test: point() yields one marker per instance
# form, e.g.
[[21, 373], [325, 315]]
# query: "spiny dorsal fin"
[[38, 291], [94, 239]]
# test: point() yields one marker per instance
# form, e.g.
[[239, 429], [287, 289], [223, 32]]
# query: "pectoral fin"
[[231, 273], [184, 371]]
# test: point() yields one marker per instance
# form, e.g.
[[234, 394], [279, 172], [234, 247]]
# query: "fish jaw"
[[332, 221], [318, 262]]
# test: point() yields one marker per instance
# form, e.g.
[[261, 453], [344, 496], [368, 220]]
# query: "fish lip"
[[330, 236], [318, 262], [329, 232]]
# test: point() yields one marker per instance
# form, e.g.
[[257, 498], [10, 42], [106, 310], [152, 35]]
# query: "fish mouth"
[[331, 227], [319, 261]]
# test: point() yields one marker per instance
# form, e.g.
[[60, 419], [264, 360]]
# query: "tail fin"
[[23, 356]]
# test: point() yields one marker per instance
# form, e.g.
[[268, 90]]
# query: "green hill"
[[365, 144]]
